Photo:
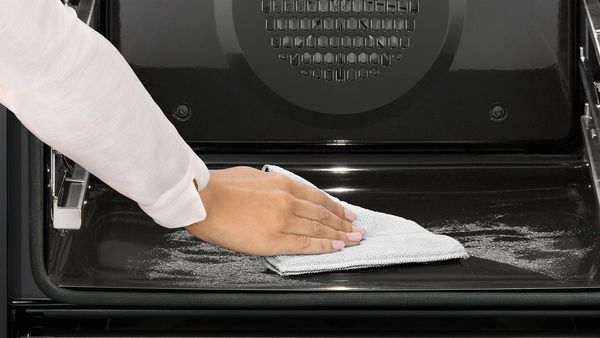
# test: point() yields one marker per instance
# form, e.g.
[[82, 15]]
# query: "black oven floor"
[[527, 225]]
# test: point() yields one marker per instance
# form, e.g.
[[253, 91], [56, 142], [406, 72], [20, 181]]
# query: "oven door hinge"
[[68, 186]]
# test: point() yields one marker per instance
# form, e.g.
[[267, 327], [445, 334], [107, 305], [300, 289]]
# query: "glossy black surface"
[[528, 225], [465, 58], [3, 221], [308, 323]]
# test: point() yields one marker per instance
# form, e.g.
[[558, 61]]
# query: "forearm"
[[72, 89]]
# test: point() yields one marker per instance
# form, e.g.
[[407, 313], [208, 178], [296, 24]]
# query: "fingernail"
[[359, 229], [338, 245], [349, 215], [354, 236]]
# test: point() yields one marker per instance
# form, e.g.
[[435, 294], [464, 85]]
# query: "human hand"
[[265, 214]]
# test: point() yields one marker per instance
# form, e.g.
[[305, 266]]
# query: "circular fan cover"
[[340, 56]]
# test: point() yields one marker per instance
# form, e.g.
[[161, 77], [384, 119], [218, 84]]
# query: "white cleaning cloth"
[[390, 240]]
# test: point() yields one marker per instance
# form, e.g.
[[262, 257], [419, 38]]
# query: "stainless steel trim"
[[68, 198], [592, 148], [592, 11], [83, 8], [85, 11]]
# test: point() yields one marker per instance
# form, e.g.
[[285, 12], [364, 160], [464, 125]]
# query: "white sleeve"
[[72, 89]]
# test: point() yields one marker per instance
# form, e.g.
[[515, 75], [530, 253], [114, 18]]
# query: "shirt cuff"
[[181, 205]]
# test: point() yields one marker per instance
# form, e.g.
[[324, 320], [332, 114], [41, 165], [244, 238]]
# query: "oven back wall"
[[444, 71]]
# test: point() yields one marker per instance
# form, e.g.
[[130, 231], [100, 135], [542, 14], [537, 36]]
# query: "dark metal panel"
[[21, 284], [298, 323], [218, 63], [3, 219]]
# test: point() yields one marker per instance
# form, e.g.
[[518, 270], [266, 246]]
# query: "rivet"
[[183, 112], [498, 113]]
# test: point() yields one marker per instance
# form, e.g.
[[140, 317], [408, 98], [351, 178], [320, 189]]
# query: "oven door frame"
[[322, 300]]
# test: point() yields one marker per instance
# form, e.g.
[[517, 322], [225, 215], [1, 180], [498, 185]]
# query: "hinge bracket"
[[68, 194]]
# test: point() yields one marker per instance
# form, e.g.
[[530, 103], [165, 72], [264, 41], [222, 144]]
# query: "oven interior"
[[519, 192]]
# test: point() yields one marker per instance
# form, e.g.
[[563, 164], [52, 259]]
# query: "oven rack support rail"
[[589, 68]]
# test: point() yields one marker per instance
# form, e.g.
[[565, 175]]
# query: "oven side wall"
[[3, 224]]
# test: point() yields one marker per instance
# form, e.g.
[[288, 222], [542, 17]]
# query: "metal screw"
[[498, 113], [183, 112]]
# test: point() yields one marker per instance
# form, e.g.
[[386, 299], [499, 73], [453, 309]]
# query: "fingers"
[[314, 204], [316, 196], [314, 229], [300, 244], [306, 209]]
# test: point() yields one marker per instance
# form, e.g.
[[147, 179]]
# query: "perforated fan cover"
[[336, 56], [340, 40]]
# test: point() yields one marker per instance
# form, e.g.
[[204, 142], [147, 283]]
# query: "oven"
[[478, 119]]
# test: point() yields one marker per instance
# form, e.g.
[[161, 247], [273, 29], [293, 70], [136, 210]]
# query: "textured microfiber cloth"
[[389, 240]]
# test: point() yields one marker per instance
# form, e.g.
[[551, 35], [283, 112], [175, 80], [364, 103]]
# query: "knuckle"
[[303, 243], [318, 229], [340, 223], [340, 209], [321, 198], [322, 213], [285, 199]]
